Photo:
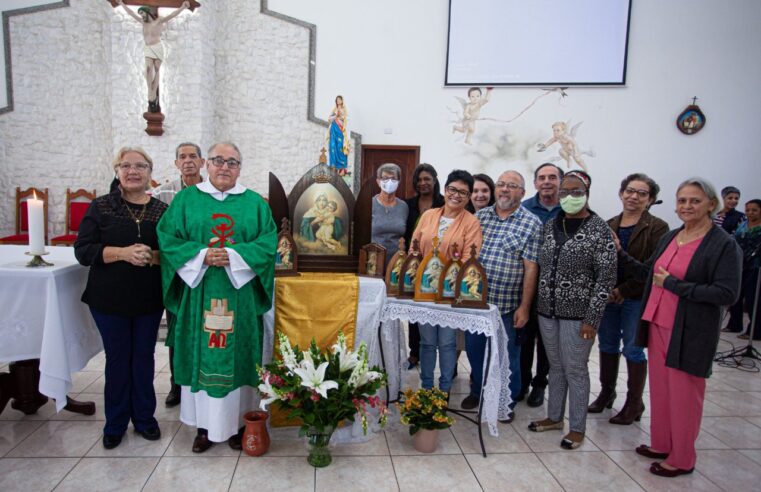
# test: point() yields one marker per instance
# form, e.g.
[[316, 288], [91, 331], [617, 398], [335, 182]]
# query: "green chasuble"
[[216, 330]]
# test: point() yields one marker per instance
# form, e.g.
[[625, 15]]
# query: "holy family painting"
[[321, 221]]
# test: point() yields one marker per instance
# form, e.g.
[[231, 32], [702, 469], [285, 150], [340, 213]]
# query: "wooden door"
[[407, 157]]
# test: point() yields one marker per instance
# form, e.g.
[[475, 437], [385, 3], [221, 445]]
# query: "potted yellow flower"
[[425, 411]]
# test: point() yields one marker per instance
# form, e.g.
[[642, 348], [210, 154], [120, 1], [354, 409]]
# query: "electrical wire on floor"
[[742, 358]]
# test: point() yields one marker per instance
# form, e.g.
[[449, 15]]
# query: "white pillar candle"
[[36, 214]]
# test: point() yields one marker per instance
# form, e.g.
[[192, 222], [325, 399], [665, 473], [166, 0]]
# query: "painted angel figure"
[[471, 109], [153, 26], [569, 149], [337, 137]]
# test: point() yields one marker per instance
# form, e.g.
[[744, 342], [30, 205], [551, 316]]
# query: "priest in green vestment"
[[218, 243]]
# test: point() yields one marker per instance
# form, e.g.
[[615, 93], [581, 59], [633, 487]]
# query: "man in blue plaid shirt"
[[511, 240]]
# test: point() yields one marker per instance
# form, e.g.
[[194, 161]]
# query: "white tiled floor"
[[49, 451]]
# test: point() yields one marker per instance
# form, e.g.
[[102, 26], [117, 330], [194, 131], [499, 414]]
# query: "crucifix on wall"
[[153, 26]]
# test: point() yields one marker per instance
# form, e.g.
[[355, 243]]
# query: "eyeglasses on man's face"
[[451, 190], [137, 166], [220, 161], [509, 186], [639, 193], [576, 193]]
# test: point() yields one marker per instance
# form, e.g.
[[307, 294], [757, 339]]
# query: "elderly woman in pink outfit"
[[691, 278]]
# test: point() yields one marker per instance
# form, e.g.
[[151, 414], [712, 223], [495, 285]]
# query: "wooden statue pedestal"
[[154, 122]]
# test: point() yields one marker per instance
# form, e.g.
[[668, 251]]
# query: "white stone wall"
[[230, 73], [59, 134]]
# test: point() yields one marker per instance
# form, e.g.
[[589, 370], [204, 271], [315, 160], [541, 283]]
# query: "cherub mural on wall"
[[569, 149], [471, 108]]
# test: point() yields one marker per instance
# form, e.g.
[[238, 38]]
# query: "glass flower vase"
[[318, 445]]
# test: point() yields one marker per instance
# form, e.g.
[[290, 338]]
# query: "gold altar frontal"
[[314, 306]]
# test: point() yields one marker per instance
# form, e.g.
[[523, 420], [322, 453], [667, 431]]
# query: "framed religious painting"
[[471, 289], [431, 266], [409, 271], [448, 278], [394, 268], [286, 255], [372, 260], [327, 222]]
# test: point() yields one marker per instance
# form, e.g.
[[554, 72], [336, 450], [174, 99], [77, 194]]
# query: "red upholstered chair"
[[22, 216], [75, 211]]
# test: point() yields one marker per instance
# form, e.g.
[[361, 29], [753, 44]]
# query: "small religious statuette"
[[394, 269], [372, 260], [471, 289], [431, 267], [448, 277], [409, 271], [286, 255]]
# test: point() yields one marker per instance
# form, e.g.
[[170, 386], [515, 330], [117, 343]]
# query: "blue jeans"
[[434, 337], [129, 342], [619, 324], [475, 346]]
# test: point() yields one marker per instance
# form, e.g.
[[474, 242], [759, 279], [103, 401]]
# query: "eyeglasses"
[[509, 186], [576, 193], [386, 180], [455, 191], [640, 193], [220, 161], [138, 166]]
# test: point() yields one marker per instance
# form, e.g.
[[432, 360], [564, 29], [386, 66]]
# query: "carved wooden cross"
[[175, 4]]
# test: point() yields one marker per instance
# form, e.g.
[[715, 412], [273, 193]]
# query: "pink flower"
[[315, 397]]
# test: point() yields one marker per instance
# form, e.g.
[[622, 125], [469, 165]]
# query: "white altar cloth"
[[44, 318], [496, 393]]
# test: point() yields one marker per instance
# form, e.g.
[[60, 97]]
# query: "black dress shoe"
[[201, 443], [110, 441], [536, 397], [510, 418], [657, 469], [470, 402], [150, 434], [174, 397], [644, 450], [235, 441]]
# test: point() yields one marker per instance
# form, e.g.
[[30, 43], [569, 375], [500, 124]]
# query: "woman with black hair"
[[425, 182]]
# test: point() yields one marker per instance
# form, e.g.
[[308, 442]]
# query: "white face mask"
[[389, 186]]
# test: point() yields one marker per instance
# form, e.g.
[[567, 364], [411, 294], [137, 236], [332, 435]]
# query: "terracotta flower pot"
[[426, 440], [256, 439]]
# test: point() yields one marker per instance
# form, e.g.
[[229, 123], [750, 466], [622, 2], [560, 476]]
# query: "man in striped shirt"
[[511, 240]]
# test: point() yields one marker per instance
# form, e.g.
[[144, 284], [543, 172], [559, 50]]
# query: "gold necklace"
[[139, 218], [686, 237]]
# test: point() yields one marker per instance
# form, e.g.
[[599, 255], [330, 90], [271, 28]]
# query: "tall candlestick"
[[36, 214]]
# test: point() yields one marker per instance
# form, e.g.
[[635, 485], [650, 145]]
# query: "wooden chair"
[[22, 216], [75, 211]]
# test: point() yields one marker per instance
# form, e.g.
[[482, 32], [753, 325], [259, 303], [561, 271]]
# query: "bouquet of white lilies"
[[322, 388]]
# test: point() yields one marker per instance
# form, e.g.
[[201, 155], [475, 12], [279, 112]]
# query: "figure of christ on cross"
[[153, 26]]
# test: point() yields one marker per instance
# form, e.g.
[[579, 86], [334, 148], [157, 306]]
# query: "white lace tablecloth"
[[44, 318], [496, 401], [372, 297]]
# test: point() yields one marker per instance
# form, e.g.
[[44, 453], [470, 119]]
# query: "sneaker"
[[470, 402], [545, 425]]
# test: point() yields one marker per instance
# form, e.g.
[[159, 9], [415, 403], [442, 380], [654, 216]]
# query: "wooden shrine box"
[[328, 224]]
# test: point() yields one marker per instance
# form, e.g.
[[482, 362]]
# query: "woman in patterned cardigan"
[[577, 266]]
